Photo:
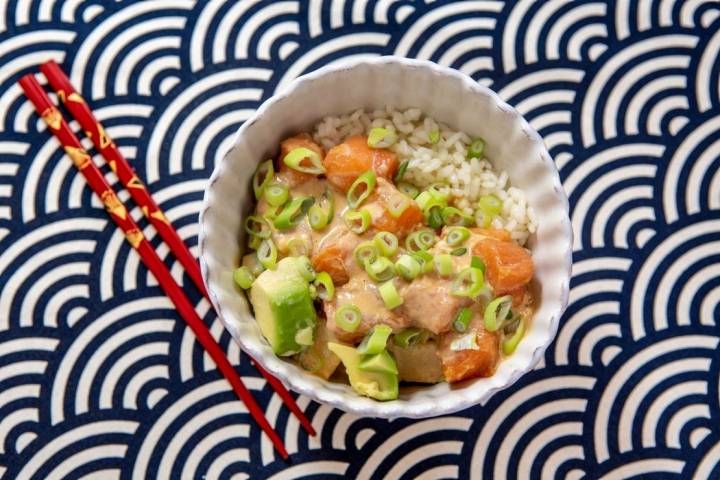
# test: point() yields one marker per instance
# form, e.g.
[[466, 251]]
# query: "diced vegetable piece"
[[267, 253], [434, 136], [386, 243], [456, 236], [380, 386], [425, 260], [468, 283], [407, 267], [323, 211], [361, 189], [304, 160], [380, 362], [401, 171], [381, 138], [508, 266], [443, 265], [459, 252], [390, 295], [491, 204], [375, 341], [462, 320], [283, 306], [292, 214], [496, 312], [439, 192], [476, 149], [243, 277], [397, 206], [348, 160], [305, 268], [381, 269], [365, 252], [348, 317], [325, 287], [477, 262], [298, 247], [276, 194], [433, 216], [357, 221], [420, 240], [262, 177], [454, 216]]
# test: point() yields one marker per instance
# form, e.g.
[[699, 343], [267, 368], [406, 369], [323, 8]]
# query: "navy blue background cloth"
[[99, 377]]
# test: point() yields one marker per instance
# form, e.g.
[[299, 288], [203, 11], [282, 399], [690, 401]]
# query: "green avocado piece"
[[379, 362], [377, 385], [283, 307]]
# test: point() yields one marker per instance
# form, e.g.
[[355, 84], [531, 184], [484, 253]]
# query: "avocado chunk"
[[284, 307], [378, 362], [377, 385]]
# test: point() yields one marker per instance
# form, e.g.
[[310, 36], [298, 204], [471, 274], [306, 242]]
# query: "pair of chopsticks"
[[117, 211]]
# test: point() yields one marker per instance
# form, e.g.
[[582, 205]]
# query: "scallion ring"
[[407, 267], [390, 295], [386, 243], [455, 216], [497, 312], [477, 262], [361, 189], [489, 207], [456, 236], [433, 216], [476, 149], [423, 199], [459, 252], [408, 189], [425, 260], [510, 344], [439, 192], [348, 317], [324, 286], [304, 160], [257, 227], [381, 269], [276, 194], [317, 217], [443, 265], [298, 247], [305, 268], [293, 213], [267, 253], [381, 138], [357, 221], [409, 336], [401, 171], [397, 206], [243, 277], [254, 242], [420, 240], [364, 253], [375, 341], [468, 283], [462, 320], [262, 177]]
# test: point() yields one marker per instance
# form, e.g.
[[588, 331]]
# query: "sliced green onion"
[[254, 242], [410, 336], [455, 216], [407, 267], [305, 268], [361, 189], [267, 253], [423, 199], [375, 341], [365, 253], [433, 216], [386, 243], [443, 265], [425, 260], [408, 189], [434, 136], [304, 336], [324, 286], [456, 236], [257, 226], [401, 171], [510, 344], [317, 217], [462, 320], [243, 277], [420, 240], [263, 176], [477, 262], [276, 194], [397, 206], [490, 204], [253, 264], [476, 149], [271, 212], [381, 138], [390, 295], [304, 160], [381, 269], [468, 283], [497, 312], [358, 221], [293, 213], [459, 252], [298, 247], [439, 192], [348, 317]]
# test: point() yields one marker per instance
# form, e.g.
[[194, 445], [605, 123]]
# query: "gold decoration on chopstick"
[[52, 117], [113, 166], [134, 237], [104, 139], [135, 182], [75, 97], [79, 157], [160, 216], [113, 204], [61, 94]]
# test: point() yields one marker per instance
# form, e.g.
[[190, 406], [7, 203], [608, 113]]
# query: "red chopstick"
[[137, 240], [129, 178]]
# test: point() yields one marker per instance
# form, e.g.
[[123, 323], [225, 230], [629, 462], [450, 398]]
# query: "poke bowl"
[[388, 237]]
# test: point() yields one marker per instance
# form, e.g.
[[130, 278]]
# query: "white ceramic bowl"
[[448, 96]]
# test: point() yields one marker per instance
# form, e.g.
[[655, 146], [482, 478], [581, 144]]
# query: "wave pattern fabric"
[[99, 378]]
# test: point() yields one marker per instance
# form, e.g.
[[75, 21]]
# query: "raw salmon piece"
[[332, 261], [293, 177], [350, 159], [463, 364], [497, 233], [509, 266], [385, 193]]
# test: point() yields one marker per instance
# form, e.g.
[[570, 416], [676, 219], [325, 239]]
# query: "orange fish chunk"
[[350, 159], [291, 176], [509, 266]]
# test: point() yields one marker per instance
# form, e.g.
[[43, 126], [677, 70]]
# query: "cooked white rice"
[[443, 162]]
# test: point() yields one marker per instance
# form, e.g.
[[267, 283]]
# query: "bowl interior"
[[449, 97]]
